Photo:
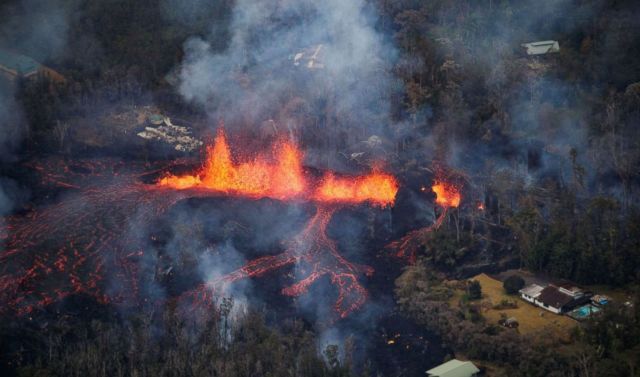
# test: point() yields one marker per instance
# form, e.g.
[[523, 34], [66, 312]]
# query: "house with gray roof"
[[14, 66]]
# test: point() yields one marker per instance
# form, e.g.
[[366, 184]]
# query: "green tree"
[[513, 284], [474, 290]]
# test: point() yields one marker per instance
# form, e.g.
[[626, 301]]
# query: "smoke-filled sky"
[[254, 76]]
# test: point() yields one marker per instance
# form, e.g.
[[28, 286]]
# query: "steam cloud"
[[255, 77]]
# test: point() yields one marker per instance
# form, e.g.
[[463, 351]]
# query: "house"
[[15, 66], [541, 47], [554, 300], [558, 298], [454, 368], [531, 292]]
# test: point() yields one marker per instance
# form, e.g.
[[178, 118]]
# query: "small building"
[[530, 292], [15, 66], [454, 368], [541, 47]]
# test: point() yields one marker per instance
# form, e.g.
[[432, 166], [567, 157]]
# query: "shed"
[[454, 368]]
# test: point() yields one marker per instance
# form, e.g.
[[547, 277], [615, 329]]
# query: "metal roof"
[[19, 63], [541, 47], [532, 290], [454, 368]]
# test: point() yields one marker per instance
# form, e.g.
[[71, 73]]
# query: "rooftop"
[[454, 368], [532, 290], [541, 47], [552, 296], [19, 63]]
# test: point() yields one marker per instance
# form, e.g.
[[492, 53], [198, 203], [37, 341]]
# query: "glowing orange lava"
[[73, 246], [315, 254], [447, 195], [281, 176], [278, 176], [377, 188]]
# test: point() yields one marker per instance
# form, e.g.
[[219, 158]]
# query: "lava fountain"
[[282, 177]]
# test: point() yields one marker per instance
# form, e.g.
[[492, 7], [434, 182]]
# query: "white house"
[[541, 47], [554, 300]]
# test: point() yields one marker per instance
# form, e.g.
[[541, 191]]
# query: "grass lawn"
[[528, 315]]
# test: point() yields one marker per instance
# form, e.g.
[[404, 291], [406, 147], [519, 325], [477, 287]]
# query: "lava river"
[[71, 247]]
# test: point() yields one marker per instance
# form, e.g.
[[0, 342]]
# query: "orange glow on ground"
[[377, 188], [447, 195]]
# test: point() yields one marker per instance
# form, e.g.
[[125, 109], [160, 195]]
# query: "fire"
[[76, 239], [281, 177], [447, 195], [278, 176], [377, 188]]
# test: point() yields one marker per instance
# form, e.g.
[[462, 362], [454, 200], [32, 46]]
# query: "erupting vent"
[[280, 176]]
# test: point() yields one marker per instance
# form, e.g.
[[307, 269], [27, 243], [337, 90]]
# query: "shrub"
[[474, 290], [513, 284]]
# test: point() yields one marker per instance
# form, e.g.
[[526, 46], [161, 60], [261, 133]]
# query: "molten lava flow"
[[447, 196], [311, 250], [279, 177], [69, 248], [316, 255]]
